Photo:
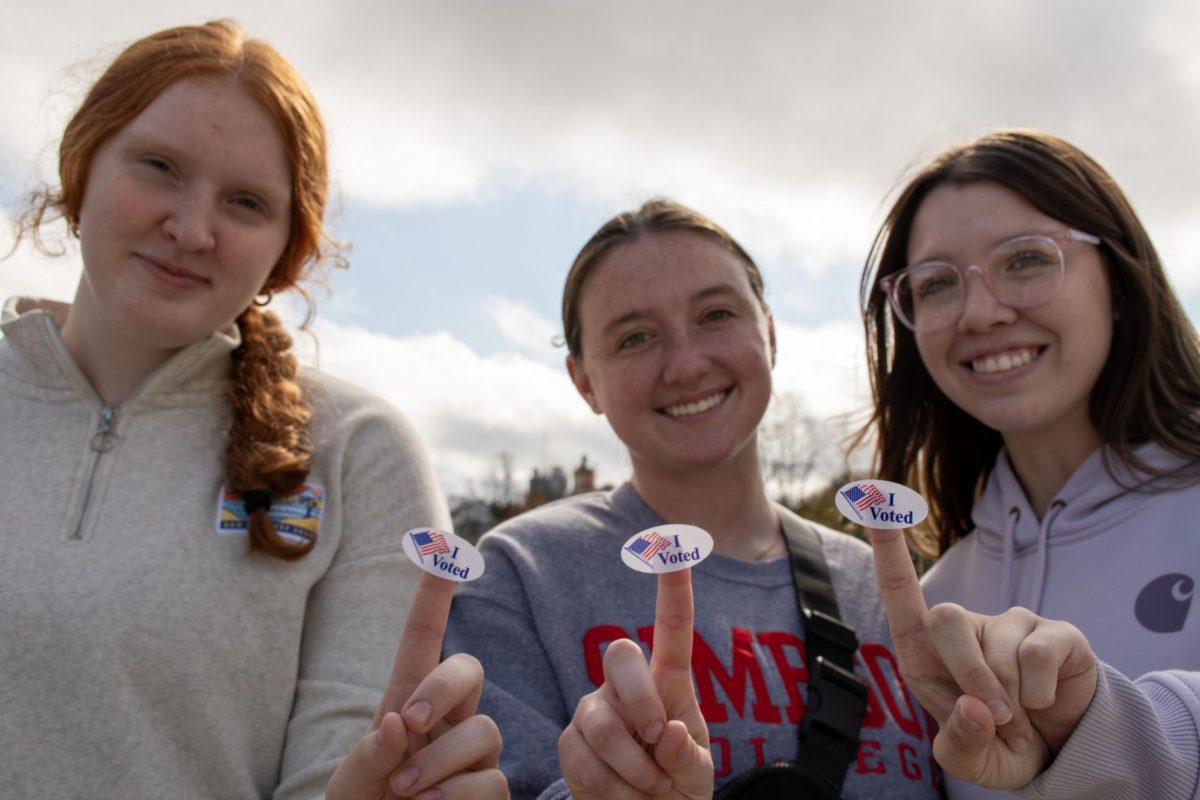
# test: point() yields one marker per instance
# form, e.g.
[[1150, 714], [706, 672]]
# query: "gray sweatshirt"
[[556, 593], [1122, 566], [143, 653]]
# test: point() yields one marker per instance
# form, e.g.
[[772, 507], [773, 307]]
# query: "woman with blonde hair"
[[203, 580]]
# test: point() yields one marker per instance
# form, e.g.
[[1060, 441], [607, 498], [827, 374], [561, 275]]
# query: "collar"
[[31, 329]]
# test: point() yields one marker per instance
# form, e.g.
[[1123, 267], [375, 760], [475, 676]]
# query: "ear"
[[583, 385]]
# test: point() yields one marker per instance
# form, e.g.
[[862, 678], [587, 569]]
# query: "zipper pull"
[[104, 438]]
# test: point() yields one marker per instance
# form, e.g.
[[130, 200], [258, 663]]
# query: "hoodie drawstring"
[[1014, 516], [1039, 581]]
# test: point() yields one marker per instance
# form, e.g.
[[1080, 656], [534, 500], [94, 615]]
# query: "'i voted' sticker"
[[881, 504], [443, 554], [666, 548]]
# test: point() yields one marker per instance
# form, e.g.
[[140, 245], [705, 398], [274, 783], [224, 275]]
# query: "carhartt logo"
[[1164, 604]]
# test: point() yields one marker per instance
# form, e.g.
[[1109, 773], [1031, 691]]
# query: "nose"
[[189, 222], [685, 359], [981, 310]]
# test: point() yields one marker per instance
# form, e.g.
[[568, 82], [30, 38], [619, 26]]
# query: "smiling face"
[[676, 352], [1027, 373], [186, 211]]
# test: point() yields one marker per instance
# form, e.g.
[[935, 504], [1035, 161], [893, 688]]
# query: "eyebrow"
[[135, 138], [718, 289], [991, 245]]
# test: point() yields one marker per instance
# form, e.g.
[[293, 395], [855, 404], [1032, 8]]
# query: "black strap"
[[837, 698]]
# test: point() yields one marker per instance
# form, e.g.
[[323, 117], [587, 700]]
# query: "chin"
[[167, 334]]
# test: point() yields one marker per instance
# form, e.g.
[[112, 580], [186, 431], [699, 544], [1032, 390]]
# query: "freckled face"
[[1026, 371], [677, 353], [185, 213]]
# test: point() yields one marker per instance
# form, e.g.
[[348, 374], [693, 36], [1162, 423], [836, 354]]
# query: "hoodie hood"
[[1095, 498]]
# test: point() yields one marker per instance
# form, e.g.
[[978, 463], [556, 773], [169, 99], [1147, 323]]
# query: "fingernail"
[[653, 732], [430, 794], [664, 786], [404, 779], [1000, 711], [1017, 743], [419, 712], [379, 738]]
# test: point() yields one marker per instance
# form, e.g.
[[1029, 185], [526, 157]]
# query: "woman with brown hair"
[[670, 338], [203, 579], [1036, 378]]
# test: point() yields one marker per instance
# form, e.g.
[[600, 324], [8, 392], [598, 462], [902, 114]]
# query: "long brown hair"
[[655, 215], [1149, 388], [268, 447]]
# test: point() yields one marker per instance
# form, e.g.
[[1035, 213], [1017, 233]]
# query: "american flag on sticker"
[[863, 496], [644, 547], [430, 542]]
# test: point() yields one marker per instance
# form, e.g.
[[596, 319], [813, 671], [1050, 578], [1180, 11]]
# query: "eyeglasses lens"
[[1019, 273]]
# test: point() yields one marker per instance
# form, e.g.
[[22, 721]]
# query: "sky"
[[477, 144]]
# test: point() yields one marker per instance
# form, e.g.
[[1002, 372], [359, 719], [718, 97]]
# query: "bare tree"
[[502, 493], [799, 452]]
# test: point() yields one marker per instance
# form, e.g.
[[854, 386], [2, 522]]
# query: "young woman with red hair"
[[203, 583]]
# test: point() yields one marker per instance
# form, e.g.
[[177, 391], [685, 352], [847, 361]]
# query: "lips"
[[1003, 361], [696, 407], [174, 274]]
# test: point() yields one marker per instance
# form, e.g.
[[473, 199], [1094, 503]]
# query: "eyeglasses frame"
[[889, 284]]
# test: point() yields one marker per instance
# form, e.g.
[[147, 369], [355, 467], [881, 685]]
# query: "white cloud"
[[787, 122], [32, 274], [824, 365], [468, 408], [524, 329], [806, 112], [1179, 248]]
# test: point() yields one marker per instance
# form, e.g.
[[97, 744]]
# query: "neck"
[[1044, 464], [731, 504], [114, 367]]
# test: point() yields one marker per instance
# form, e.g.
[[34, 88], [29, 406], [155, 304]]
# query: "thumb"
[[965, 738], [686, 762], [969, 748], [364, 772]]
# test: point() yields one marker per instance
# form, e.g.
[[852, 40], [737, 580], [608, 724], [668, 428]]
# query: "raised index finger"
[[420, 647], [673, 616], [898, 585]]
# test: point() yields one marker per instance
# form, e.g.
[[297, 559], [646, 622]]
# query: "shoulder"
[[583, 517], [589, 511], [574, 528], [842, 551], [336, 397], [852, 571], [368, 449], [344, 412]]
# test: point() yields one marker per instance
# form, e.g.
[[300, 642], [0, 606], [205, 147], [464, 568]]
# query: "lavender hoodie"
[[1121, 564]]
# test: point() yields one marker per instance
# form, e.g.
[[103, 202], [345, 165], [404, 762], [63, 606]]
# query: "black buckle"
[[829, 637], [837, 702]]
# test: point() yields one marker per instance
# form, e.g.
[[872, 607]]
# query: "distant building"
[[585, 478], [544, 488]]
